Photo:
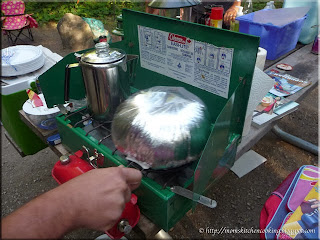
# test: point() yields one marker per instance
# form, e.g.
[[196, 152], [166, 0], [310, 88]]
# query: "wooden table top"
[[305, 66]]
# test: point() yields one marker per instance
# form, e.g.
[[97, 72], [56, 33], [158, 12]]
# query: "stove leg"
[[162, 235]]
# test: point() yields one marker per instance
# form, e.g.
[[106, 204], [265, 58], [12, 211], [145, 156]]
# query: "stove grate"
[[81, 111], [88, 120], [101, 131]]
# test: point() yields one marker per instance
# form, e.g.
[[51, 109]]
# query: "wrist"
[[60, 208], [46, 216], [236, 3], [65, 212]]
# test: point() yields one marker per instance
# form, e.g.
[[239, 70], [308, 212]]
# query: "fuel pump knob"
[[124, 226], [64, 159]]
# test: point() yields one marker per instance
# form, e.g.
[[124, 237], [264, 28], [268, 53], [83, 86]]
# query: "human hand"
[[97, 198], [230, 15]]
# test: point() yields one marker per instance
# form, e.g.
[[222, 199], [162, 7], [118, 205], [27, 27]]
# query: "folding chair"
[[15, 21]]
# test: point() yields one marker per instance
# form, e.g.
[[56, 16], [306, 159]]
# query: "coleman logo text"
[[177, 38]]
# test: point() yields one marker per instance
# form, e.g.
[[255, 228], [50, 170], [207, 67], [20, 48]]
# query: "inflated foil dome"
[[161, 127]]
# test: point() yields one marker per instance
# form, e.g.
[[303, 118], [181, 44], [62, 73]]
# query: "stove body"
[[227, 110], [155, 199]]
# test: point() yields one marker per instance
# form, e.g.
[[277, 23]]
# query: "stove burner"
[[101, 131]]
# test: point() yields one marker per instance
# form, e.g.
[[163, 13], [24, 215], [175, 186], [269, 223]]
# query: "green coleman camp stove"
[[216, 65]]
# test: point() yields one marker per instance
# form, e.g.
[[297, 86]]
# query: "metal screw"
[[64, 159], [124, 226]]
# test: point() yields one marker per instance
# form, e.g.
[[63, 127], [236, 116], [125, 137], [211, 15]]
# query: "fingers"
[[230, 15], [127, 195], [134, 186], [226, 17], [132, 176]]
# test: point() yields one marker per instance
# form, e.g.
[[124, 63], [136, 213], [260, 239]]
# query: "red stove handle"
[[129, 219], [72, 166]]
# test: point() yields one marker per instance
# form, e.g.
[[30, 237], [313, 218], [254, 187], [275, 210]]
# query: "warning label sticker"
[[199, 64]]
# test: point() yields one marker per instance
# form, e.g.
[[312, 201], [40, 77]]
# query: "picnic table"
[[305, 66]]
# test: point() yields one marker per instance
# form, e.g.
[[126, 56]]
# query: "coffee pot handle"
[[67, 80]]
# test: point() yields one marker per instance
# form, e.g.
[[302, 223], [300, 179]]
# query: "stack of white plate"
[[21, 59], [43, 117]]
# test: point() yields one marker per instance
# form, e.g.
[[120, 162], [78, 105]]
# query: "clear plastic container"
[[270, 5], [248, 7], [310, 28], [267, 6]]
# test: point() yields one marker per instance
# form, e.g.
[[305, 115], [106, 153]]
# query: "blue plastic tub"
[[277, 40]]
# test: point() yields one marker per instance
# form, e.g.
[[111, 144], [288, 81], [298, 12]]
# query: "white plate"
[[42, 110], [24, 59], [18, 83]]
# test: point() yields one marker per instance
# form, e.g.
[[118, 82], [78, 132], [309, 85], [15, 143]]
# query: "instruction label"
[[199, 64]]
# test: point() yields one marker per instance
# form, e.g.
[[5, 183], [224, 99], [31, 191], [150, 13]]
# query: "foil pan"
[[161, 127]]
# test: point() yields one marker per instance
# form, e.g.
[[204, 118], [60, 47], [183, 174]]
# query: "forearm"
[[75, 204], [47, 216]]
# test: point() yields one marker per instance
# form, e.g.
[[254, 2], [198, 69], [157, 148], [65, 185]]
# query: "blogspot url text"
[[242, 230]]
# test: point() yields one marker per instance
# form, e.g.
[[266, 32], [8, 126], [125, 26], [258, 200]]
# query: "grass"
[[258, 5], [106, 11], [45, 12]]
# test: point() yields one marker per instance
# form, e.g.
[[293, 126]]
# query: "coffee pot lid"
[[103, 54]]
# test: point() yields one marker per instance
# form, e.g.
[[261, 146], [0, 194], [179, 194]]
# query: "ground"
[[239, 200]]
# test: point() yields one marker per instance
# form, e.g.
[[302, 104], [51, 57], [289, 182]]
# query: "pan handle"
[[67, 80], [194, 196]]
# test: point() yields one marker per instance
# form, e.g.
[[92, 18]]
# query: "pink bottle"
[[315, 46]]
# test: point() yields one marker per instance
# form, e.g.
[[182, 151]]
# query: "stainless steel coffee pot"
[[106, 79]]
